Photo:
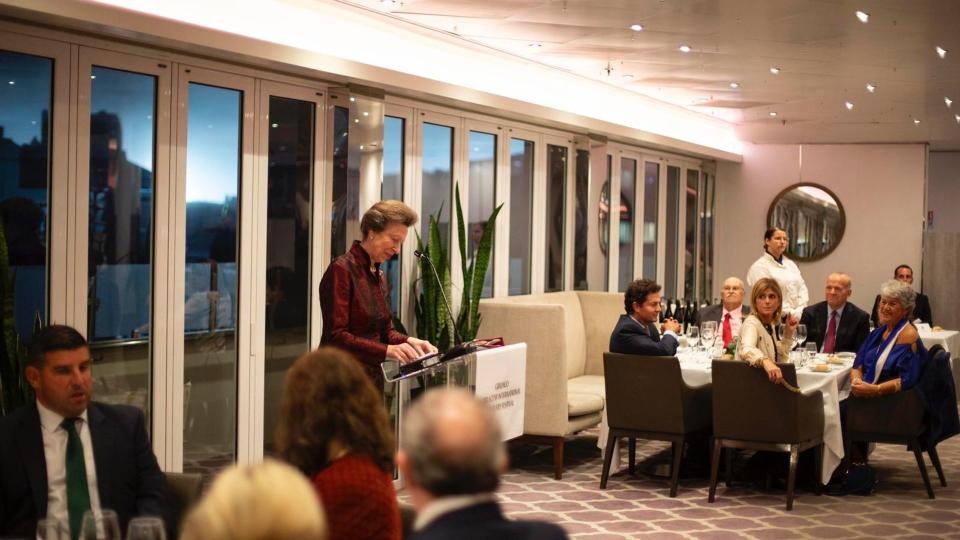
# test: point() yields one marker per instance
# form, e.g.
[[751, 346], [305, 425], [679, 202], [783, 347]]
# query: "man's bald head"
[[452, 442], [838, 289]]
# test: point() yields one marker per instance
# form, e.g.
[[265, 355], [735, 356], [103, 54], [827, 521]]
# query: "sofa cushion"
[[579, 404], [587, 384]]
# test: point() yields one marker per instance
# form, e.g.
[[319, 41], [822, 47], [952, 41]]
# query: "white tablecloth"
[[950, 341], [834, 386]]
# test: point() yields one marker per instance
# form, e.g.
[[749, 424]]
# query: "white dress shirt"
[[55, 454], [787, 275]]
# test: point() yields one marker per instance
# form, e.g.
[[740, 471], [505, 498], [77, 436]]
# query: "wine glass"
[[708, 331], [51, 529], [800, 335], [102, 525], [146, 528], [693, 336]]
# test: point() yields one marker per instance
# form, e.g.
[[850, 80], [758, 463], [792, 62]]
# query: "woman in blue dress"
[[890, 360]]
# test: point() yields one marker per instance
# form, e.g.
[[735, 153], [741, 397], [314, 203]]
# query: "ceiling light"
[[916, 121], [871, 88], [356, 120], [628, 77], [684, 48], [948, 102], [93, 76], [636, 27], [957, 117], [365, 113], [848, 105], [863, 16], [773, 113], [11, 83], [274, 125], [734, 85], [941, 52], [775, 70], [352, 98]]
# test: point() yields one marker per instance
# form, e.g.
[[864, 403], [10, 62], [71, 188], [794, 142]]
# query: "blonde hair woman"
[[759, 343], [269, 501]]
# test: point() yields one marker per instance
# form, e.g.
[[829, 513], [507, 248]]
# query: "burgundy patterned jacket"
[[355, 303]]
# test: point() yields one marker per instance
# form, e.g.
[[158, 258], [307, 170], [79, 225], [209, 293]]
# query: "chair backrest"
[[183, 491], [643, 392], [747, 406]]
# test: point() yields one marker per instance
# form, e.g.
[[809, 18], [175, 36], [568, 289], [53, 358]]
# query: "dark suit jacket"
[[129, 480], [852, 328], [629, 337], [920, 311], [485, 521], [715, 313]]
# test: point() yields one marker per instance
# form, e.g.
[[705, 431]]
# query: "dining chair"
[[647, 399], [907, 417], [183, 491], [750, 412]]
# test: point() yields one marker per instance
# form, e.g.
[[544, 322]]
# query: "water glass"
[[811, 352], [693, 336], [800, 335], [146, 528], [102, 525], [52, 529], [708, 331]]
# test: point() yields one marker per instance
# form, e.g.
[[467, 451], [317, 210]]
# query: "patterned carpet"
[[639, 506]]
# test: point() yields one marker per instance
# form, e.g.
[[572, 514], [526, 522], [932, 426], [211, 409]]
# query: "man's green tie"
[[78, 495]]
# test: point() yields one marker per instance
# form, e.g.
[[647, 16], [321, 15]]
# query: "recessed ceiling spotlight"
[[916, 121], [352, 98], [636, 27], [948, 102], [274, 125], [871, 88], [734, 85], [773, 113], [863, 16], [941, 52], [775, 70], [685, 48], [957, 118], [627, 77], [848, 105]]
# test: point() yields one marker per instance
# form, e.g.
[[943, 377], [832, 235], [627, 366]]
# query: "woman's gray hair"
[[902, 292]]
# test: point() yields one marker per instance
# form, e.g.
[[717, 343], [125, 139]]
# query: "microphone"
[[456, 335]]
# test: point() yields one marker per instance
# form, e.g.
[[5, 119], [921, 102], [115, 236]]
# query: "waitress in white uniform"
[[774, 264]]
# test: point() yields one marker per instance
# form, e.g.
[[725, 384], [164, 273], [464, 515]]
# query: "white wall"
[[943, 192], [881, 188]]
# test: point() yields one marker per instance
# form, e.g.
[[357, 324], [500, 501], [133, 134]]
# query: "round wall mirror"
[[813, 218]]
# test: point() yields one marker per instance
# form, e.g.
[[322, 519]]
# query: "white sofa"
[[566, 335]]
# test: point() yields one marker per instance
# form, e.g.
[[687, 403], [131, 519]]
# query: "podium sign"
[[500, 381]]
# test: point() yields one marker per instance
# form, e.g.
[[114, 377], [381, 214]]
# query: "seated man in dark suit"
[[452, 455], [729, 314], [63, 454], [836, 325], [921, 311], [636, 332]]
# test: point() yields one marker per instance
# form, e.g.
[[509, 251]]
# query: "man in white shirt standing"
[[729, 314], [63, 454]]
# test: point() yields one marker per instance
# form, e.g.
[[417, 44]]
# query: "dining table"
[[833, 385], [950, 341]]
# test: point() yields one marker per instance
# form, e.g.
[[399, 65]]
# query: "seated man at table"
[[835, 324], [63, 454], [730, 314], [922, 310], [636, 332]]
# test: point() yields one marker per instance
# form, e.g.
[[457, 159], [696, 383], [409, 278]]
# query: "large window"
[[289, 217], [26, 94], [437, 166], [394, 144], [651, 203], [628, 217], [556, 217], [581, 225], [210, 303], [346, 204], [690, 235], [673, 225], [120, 232], [483, 180], [521, 215], [706, 237]]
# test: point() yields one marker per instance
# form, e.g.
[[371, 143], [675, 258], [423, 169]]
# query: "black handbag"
[[860, 479]]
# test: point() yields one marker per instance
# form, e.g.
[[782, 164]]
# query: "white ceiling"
[[826, 56]]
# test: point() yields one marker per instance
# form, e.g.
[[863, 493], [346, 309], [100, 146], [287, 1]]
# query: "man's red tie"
[[727, 331], [830, 341]]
